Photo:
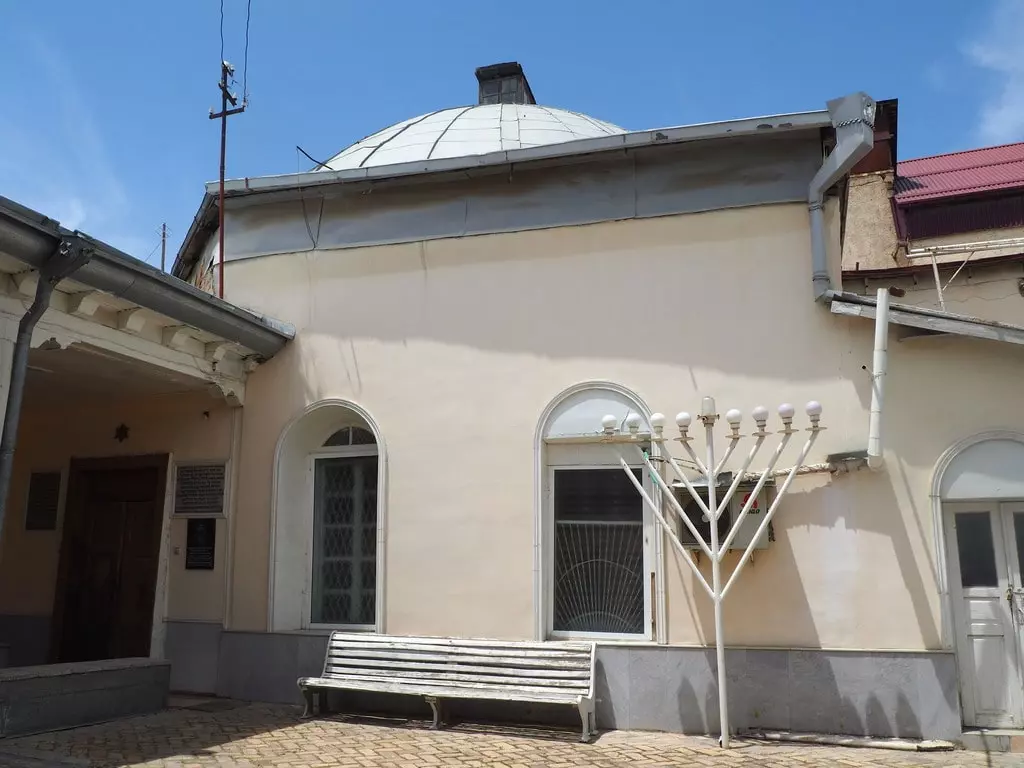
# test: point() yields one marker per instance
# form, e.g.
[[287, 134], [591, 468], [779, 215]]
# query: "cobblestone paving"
[[263, 736]]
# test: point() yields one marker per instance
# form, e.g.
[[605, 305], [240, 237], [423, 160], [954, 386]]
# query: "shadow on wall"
[[863, 694], [428, 292]]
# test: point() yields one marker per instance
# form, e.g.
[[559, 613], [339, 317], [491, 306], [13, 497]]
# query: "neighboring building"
[[472, 290], [949, 229]]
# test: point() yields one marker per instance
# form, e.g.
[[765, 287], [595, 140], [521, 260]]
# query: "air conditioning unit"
[[750, 523]]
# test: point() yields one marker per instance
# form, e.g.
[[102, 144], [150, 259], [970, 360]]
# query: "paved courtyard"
[[233, 735]]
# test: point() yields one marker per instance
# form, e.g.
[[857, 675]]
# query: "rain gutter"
[[853, 118], [68, 257], [33, 238]]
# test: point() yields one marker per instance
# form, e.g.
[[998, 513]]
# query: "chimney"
[[504, 84]]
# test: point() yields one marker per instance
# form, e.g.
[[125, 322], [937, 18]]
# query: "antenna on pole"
[[226, 71], [163, 247]]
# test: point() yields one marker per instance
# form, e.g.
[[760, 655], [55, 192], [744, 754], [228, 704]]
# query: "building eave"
[[928, 320], [31, 237], [204, 222]]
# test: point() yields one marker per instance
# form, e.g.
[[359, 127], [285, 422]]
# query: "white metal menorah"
[[713, 509]]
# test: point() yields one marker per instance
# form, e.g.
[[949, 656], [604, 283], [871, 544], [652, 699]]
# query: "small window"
[[350, 436], [976, 550], [199, 489], [43, 500]]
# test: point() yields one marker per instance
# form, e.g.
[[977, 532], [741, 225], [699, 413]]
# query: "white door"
[[984, 571]]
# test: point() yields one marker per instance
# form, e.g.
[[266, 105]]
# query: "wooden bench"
[[439, 668]]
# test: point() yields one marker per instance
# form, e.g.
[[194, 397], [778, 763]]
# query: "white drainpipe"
[[853, 118], [879, 365]]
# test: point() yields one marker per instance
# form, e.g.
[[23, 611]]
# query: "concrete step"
[[993, 740]]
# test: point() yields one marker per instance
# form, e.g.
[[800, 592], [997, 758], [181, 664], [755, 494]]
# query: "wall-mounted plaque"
[[199, 489], [200, 544]]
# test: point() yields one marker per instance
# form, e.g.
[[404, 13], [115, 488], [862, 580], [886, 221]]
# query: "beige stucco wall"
[[455, 347], [55, 430]]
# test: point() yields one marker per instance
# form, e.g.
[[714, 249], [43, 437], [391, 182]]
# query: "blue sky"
[[103, 104]]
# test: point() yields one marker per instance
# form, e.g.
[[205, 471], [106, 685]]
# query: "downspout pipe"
[[853, 118], [69, 256], [879, 368]]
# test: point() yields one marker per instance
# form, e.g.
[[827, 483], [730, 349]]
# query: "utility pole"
[[226, 71], [163, 247]]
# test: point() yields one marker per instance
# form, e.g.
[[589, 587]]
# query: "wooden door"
[[109, 559], [987, 647]]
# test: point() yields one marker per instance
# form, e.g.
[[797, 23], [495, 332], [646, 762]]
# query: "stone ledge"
[[55, 696]]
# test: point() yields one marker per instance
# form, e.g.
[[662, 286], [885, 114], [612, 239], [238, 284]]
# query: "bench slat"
[[500, 682], [496, 672], [425, 688], [544, 647], [581, 666], [497, 652]]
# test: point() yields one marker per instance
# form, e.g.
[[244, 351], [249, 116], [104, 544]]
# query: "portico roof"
[[122, 292]]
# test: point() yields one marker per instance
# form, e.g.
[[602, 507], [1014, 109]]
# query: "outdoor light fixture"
[[683, 421], [786, 413], [734, 417], [707, 409], [710, 505], [760, 414]]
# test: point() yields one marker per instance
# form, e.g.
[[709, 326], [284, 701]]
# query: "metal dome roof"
[[465, 131]]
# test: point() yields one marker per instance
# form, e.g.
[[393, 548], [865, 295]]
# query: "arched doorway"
[[328, 521], [980, 488]]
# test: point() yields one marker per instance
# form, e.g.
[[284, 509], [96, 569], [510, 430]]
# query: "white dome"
[[464, 131]]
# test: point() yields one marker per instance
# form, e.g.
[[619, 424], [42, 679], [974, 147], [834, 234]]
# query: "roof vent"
[[504, 84]]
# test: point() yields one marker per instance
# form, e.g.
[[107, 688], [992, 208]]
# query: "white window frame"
[[339, 452], [648, 530]]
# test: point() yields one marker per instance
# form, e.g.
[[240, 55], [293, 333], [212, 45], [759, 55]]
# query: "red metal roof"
[[960, 173]]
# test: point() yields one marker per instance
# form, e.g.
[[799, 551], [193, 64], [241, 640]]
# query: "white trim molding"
[[541, 575], [382, 504], [938, 527]]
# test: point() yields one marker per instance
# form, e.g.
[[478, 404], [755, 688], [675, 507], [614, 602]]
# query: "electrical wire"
[[221, 31], [245, 58]]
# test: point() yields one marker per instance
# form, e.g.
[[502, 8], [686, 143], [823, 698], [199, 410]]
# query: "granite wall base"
[[660, 688], [27, 639], [55, 696], [862, 693]]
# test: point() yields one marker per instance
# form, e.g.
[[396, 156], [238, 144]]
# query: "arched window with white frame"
[[328, 512], [597, 538]]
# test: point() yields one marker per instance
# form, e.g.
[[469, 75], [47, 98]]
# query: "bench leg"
[[438, 708], [308, 694], [586, 707]]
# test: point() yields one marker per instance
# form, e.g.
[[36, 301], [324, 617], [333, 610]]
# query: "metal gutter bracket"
[[853, 118], [71, 254]]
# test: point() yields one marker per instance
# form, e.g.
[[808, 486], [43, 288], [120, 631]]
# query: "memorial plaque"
[[200, 544], [199, 489]]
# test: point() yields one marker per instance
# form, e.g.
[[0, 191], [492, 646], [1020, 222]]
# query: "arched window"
[[328, 521], [344, 570], [350, 436], [595, 528]]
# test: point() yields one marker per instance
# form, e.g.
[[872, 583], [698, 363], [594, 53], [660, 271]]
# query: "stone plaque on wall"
[[199, 489]]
